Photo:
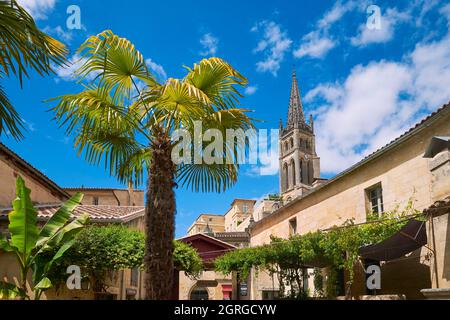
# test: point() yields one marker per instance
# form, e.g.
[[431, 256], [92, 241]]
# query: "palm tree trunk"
[[160, 221]]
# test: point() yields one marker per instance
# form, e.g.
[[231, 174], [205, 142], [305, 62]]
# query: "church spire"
[[296, 117]]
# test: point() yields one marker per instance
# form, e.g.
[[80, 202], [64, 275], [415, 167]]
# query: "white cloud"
[[38, 8], [388, 22], [250, 90], [67, 73], [317, 43], [377, 102], [60, 33], [157, 69], [274, 45], [210, 45], [314, 45]]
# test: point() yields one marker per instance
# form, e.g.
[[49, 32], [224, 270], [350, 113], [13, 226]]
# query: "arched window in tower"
[[301, 171], [285, 180], [305, 175], [286, 147], [301, 143], [291, 141], [292, 170], [311, 172]]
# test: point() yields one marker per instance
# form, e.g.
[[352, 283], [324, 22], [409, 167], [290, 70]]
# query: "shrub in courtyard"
[[99, 251]]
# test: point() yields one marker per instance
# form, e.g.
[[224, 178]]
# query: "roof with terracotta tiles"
[[99, 214]]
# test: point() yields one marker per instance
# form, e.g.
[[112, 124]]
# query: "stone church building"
[[299, 163], [404, 170]]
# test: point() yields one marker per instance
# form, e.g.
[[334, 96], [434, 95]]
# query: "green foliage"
[[100, 250], [318, 283], [187, 259], [337, 248], [32, 246], [114, 119]]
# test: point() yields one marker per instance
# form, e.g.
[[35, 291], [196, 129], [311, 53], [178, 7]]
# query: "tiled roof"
[[228, 235], [99, 189], [100, 214], [28, 168]]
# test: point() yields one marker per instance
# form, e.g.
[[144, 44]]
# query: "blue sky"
[[363, 86]]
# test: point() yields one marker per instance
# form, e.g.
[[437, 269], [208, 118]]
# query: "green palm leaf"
[[9, 118], [23, 46]]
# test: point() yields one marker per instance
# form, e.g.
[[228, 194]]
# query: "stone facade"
[[110, 197]]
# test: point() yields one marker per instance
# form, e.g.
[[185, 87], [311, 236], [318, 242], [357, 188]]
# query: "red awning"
[[410, 238]]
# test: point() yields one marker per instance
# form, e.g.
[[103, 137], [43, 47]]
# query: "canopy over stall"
[[410, 238]]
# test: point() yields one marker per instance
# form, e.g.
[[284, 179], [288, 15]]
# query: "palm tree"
[[22, 46], [125, 119]]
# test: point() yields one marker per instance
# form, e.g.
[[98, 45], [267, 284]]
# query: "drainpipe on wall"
[[434, 251]]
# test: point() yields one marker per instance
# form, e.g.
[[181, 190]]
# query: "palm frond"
[[10, 121], [218, 80], [23, 46], [207, 177], [116, 62]]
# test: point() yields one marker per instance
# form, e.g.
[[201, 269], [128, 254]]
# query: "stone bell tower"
[[299, 163]]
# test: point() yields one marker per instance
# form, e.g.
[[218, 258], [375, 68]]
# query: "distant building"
[[111, 197], [207, 223]]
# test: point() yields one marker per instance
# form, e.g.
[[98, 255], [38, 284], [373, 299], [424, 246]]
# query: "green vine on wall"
[[336, 248]]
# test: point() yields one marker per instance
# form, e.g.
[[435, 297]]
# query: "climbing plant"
[[336, 248]]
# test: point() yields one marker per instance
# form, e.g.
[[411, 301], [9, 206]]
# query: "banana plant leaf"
[[59, 219], [23, 222]]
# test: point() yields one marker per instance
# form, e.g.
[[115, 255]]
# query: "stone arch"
[[286, 147], [195, 293], [291, 143]]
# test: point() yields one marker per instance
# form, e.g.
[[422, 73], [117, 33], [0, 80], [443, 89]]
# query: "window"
[[375, 197], [270, 295], [134, 277], [95, 201], [293, 227], [245, 208]]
